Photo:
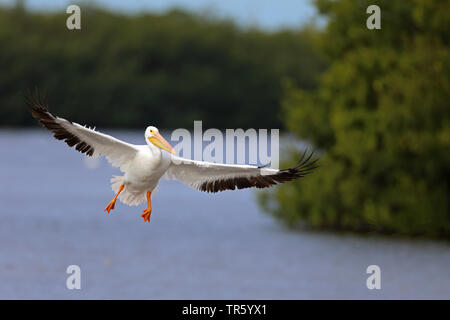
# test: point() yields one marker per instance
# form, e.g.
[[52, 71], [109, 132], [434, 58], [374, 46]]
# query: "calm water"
[[198, 246]]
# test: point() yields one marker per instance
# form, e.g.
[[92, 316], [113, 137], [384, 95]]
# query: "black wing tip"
[[39, 110], [305, 166], [38, 106], [35, 100]]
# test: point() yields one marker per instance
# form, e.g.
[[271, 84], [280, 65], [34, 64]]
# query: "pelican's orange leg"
[[110, 206], [147, 212]]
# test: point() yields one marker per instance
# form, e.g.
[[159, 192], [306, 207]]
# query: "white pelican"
[[144, 165]]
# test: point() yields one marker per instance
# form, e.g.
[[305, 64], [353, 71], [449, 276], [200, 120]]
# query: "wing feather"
[[215, 177], [84, 139]]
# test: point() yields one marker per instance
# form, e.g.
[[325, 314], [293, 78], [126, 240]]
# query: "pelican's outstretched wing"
[[214, 177], [85, 140]]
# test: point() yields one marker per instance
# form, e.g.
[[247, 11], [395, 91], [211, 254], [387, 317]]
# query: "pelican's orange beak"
[[162, 143]]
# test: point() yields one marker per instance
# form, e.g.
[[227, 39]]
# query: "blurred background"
[[373, 103]]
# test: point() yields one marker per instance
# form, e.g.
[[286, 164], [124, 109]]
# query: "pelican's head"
[[152, 136]]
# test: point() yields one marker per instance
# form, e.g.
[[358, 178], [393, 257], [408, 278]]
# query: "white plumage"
[[196, 173], [144, 165]]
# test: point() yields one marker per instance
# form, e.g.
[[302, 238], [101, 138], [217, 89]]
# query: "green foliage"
[[380, 116], [136, 70]]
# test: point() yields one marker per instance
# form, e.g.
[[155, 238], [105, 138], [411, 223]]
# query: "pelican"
[[144, 165]]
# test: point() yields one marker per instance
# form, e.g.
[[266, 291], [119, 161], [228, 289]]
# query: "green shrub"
[[380, 118], [163, 69]]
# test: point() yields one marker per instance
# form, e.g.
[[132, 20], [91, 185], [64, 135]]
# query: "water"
[[197, 246]]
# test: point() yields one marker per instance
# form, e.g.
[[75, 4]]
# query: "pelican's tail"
[[126, 196]]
